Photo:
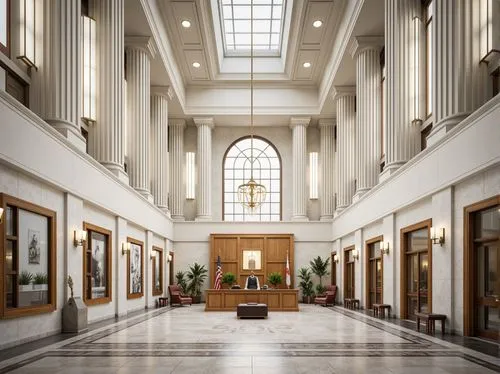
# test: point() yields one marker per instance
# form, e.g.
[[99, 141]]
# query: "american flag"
[[218, 275]]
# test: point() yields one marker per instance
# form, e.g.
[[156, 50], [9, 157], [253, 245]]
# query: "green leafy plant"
[[40, 278], [196, 276], [229, 278], [180, 279], [319, 267], [25, 278], [306, 283], [274, 278]]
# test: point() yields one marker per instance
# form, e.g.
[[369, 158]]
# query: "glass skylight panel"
[[267, 26]]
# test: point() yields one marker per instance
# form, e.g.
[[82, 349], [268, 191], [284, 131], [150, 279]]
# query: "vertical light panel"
[[190, 175], [4, 24], [415, 90], [89, 68], [428, 62], [490, 29], [313, 175], [27, 32]]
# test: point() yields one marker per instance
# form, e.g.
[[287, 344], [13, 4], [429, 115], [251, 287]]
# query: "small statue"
[[70, 284]]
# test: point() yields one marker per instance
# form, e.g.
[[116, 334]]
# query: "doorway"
[[482, 270], [171, 275], [416, 270], [374, 272], [349, 285]]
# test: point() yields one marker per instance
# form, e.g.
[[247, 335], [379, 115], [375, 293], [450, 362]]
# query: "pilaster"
[[176, 140], [204, 158], [299, 135], [327, 177]]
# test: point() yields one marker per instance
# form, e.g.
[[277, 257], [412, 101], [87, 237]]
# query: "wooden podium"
[[278, 300]]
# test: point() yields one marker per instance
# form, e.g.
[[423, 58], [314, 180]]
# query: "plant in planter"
[[274, 278], [40, 281], [180, 279], [229, 279], [306, 285], [196, 276], [319, 267], [25, 279]]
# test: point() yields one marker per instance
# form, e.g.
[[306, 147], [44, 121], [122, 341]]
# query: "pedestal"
[[74, 316]]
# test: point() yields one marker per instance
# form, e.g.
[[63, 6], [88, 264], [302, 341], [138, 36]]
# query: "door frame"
[[346, 249], [333, 272], [403, 281], [376, 239], [469, 274], [171, 275]]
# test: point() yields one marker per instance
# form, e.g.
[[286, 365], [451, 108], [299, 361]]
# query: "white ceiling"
[[284, 88]]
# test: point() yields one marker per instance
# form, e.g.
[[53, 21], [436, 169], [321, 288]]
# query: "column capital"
[[327, 122], [205, 121], [164, 91], [143, 43], [363, 43], [178, 122], [341, 91], [299, 121]]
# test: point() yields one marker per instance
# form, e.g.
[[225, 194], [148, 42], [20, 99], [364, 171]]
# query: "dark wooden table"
[[377, 308], [162, 301], [431, 319], [351, 303]]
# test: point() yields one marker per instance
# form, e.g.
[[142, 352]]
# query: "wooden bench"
[[251, 310], [377, 308], [430, 319], [351, 303]]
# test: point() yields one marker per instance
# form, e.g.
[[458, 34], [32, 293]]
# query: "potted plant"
[[306, 285], [274, 278], [25, 279], [40, 281], [319, 267], [180, 279], [196, 276], [229, 279]]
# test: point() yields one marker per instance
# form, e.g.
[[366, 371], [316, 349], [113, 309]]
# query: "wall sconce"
[[355, 254], [79, 237], [1, 215], [169, 258], [125, 248], [27, 32], [385, 248], [335, 258], [437, 235]]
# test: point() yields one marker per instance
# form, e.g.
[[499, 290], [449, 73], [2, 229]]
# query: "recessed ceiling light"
[[196, 65], [306, 64], [318, 23], [186, 24]]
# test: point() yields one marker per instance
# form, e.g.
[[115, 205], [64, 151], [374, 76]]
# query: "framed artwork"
[[97, 265], [157, 265], [252, 259], [135, 268], [28, 258]]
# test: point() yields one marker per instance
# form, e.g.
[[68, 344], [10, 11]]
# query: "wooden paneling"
[[273, 247], [228, 300]]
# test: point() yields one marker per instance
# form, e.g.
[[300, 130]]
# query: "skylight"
[[268, 18]]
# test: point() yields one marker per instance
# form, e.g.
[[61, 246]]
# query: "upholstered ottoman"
[[251, 310]]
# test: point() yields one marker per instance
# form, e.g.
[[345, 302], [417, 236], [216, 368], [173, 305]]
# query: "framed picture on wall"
[[252, 259], [97, 265], [135, 267]]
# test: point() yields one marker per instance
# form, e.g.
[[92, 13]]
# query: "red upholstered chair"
[[176, 296], [328, 297]]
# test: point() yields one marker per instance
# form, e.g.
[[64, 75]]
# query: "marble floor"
[[314, 340]]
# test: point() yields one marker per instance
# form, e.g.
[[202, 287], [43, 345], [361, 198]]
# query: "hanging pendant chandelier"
[[251, 194]]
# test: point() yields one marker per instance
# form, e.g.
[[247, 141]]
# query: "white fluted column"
[[345, 102], [455, 63], [402, 138], [159, 145], [299, 139], [327, 176], [109, 129], [204, 167], [140, 51], [366, 53], [176, 147], [61, 69]]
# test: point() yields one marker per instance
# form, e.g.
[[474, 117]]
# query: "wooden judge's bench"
[[280, 300], [242, 254]]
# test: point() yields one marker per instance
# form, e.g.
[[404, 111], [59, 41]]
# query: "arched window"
[[266, 171]]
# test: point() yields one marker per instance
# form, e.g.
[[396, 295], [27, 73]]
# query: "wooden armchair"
[[176, 296], [328, 297]]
